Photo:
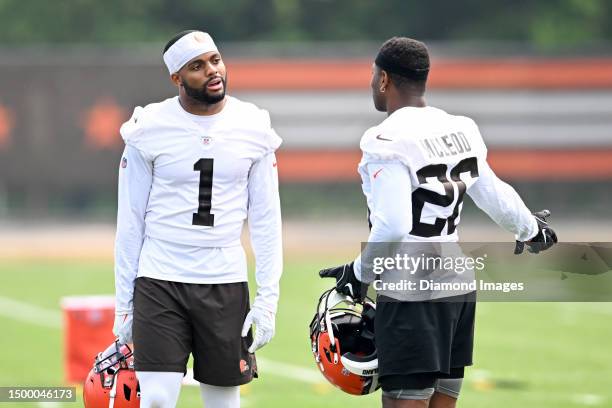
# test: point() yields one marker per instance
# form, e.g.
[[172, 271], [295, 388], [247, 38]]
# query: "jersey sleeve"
[[132, 127], [391, 205], [498, 199], [479, 147], [272, 139], [502, 203], [133, 130], [384, 146], [264, 221], [135, 179]]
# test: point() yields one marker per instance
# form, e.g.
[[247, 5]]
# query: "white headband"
[[186, 48]]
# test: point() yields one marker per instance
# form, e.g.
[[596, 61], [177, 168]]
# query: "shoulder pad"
[[257, 120], [378, 144], [132, 130]]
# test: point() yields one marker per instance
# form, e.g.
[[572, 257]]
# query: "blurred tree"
[[549, 24], [570, 22]]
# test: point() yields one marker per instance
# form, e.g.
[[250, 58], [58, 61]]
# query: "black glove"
[[346, 281], [544, 239]]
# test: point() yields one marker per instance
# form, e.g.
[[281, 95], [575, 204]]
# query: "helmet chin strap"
[[113, 391], [333, 299], [332, 339]]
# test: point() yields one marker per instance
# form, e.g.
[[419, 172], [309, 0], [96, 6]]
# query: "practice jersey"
[[416, 168], [199, 195], [187, 183]]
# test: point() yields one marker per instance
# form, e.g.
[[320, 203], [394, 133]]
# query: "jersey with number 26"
[[443, 154]]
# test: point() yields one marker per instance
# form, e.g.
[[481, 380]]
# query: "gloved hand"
[[544, 239], [346, 281], [123, 327], [264, 322]]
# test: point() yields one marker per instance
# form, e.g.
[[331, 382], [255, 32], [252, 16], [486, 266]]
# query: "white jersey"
[[418, 164], [187, 183]]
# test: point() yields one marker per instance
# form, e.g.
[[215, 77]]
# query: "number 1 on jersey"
[[204, 217]]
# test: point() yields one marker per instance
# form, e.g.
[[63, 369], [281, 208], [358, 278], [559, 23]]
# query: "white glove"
[[264, 327], [123, 327]]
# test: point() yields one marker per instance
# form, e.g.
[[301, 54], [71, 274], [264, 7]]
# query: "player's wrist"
[[122, 327], [265, 304], [264, 310], [535, 230]]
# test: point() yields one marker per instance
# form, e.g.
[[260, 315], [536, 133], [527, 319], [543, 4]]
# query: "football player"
[[416, 167], [194, 168]]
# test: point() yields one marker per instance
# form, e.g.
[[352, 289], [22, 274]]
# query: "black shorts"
[[173, 319], [419, 342]]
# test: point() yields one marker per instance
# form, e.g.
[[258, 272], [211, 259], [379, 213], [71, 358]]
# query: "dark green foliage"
[[545, 24]]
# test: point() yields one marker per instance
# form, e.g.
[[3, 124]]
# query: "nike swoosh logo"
[[274, 164], [377, 172], [379, 137]]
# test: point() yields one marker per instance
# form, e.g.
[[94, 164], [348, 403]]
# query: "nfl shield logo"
[[124, 162], [206, 140]]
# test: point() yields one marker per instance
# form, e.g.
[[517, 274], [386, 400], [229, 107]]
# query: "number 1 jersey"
[[199, 191]]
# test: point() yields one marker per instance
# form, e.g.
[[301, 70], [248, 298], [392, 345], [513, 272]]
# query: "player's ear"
[[176, 79], [384, 80]]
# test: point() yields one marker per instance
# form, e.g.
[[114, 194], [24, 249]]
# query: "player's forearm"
[[517, 217], [379, 233], [503, 205], [264, 220], [391, 215], [265, 231], [135, 179], [268, 289], [126, 271], [128, 244]]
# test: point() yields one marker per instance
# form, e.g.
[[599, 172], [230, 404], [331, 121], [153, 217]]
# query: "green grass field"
[[527, 355]]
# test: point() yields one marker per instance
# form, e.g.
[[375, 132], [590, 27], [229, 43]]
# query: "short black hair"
[[176, 38], [405, 60]]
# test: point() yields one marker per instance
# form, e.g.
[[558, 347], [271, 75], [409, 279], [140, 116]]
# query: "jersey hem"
[[195, 281], [200, 244]]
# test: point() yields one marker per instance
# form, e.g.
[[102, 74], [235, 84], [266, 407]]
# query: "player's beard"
[[202, 95]]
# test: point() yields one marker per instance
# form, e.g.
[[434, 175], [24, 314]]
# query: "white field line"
[[285, 370], [604, 308], [40, 316], [589, 399], [29, 313]]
